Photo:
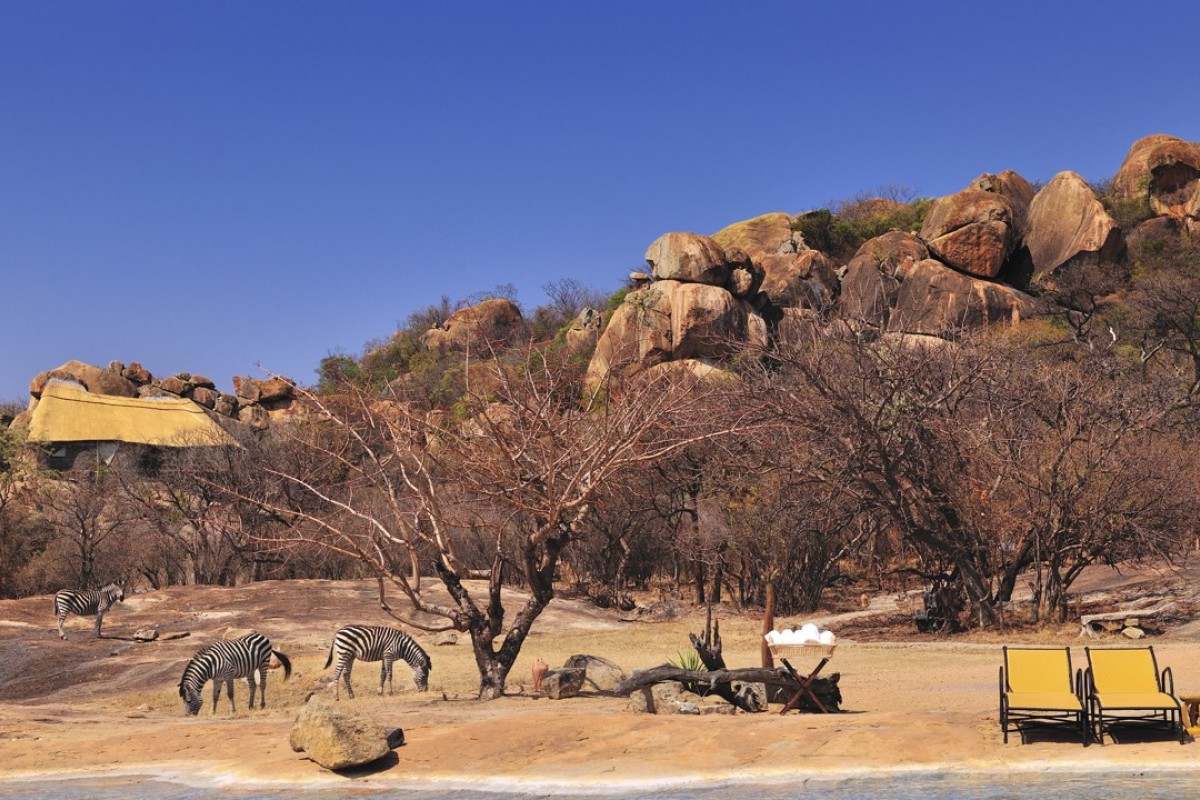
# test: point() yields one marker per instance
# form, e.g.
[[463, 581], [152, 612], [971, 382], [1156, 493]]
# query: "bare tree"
[[497, 489], [85, 514], [1086, 473], [889, 428]]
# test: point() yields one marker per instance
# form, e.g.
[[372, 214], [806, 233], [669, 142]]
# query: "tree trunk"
[[768, 660]]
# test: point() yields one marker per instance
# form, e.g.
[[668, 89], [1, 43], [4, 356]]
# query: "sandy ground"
[[910, 702]]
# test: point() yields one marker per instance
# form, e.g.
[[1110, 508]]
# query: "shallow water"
[[1007, 786]]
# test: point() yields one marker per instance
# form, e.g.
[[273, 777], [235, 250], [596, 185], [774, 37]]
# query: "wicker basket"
[[806, 650]]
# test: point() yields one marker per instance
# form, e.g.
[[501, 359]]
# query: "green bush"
[[839, 234]]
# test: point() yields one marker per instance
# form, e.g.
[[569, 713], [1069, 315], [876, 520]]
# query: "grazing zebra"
[[85, 603], [224, 660], [372, 643]]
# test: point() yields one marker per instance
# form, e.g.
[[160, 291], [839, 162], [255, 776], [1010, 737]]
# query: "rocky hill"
[[998, 252]]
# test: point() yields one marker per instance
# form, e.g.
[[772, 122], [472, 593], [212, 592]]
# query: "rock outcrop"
[[1068, 230], [938, 301], [689, 258], [486, 324], [95, 379], [254, 402], [872, 279], [1163, 172], [973, 231]]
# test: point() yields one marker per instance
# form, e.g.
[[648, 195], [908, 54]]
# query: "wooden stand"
[[805, 681]]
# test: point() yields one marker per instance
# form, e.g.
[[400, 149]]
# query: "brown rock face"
[[95, 379], [247, 388], [1011, 186], [137, 374], [175, 385], [638, 333], [938, 301], [768, 235], [972, 231], [745, 277], [1165, 171], [807, 279], [1069, 229], [704, 319], [206, 397], [689, 258], [670, 320], [873, 276], [492, 321]]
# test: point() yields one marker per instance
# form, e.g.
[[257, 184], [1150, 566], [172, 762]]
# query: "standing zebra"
[[85, 603], [372, 643], [224, 660]]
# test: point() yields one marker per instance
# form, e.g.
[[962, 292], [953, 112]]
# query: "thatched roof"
[[69, 413]]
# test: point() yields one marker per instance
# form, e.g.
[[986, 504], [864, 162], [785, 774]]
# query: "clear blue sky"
[[226, 187]]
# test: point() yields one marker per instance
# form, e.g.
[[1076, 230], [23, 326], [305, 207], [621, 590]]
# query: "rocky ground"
[[914, 700]]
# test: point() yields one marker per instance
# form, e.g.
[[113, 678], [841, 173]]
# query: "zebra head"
[[189, 690], [421, 674]]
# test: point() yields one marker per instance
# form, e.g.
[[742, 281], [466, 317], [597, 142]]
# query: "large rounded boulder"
[[873, 276], [973, 231], [1163, 173], [1011, 186], [492, 321], [95, 379], [765, 235], [1069, 229], [689, 258]]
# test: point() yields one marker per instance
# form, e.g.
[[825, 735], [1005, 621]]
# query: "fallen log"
[[826, 689]]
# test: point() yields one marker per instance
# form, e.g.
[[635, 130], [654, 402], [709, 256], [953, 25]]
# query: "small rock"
[[1133, 633], [446, 638], [146, 635], [395, 737], [600, 674], [177, 635], [687, 708], [560, 684]]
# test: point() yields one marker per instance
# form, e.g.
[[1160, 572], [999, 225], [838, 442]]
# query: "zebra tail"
[[329, 660], [287, 665]]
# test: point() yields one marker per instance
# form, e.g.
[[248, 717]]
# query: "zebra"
[[373, 643], [85, 603], [224, 660]]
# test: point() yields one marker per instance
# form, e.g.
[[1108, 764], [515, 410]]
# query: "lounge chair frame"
[[1018, 707], [1109, 707]]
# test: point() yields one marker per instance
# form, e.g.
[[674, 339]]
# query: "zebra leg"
[[262, 689], [387, 669], [251, 684], [99, 619], [232, 704], [346, 677], [216, 693], [61, 633]]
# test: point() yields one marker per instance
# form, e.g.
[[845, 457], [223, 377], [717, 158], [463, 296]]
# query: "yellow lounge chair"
[[1036, 684], [1125, 685]]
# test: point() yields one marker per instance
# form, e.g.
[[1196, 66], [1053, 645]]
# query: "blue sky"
[[230, 187]]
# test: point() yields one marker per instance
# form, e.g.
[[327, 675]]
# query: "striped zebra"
[[224, 660], [373, 643], [85, 603]]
